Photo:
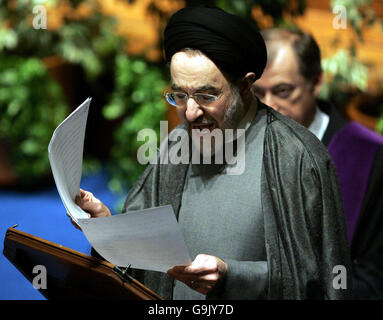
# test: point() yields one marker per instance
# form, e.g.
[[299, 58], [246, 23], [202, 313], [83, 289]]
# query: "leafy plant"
[[31, 106]]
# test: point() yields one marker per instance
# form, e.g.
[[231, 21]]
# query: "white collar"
[[319, 124]]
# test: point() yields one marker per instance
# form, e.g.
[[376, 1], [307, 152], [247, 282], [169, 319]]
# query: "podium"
[[71, 274]]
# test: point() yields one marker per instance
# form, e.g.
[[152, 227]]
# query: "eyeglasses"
[[180, 99]]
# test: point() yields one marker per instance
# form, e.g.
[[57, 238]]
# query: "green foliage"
[[31, 106], [89, 42], [137, 102], [85, 42], [344, 73], [26, 87]]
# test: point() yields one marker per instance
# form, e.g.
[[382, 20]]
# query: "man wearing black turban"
[[234, 46], [275, 230]]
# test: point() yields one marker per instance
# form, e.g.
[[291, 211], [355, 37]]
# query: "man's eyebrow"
[[206, 88], [276, 86], [286, 84], [175, 87]]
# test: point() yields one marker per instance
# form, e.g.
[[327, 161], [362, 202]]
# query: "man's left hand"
[[202, 274]]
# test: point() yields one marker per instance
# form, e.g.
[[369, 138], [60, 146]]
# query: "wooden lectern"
[[71, 274]]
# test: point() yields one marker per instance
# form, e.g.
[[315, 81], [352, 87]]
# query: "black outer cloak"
[[305, 228]]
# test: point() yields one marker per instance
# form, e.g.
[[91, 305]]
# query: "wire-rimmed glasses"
[[180, 99]]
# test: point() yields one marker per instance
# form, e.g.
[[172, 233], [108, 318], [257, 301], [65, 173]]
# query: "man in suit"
[[290, 84]]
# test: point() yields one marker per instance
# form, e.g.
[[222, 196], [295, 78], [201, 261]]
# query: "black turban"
[[234, 45]]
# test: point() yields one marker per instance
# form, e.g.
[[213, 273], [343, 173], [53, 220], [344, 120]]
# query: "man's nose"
[[193, 110]]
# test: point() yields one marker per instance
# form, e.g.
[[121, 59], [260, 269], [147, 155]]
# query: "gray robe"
[[304, 222]]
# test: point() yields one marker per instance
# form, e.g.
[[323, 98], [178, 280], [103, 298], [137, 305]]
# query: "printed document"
[[65, 155], [147, 239]]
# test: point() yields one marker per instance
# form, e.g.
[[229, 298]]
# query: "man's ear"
[[247, 82]]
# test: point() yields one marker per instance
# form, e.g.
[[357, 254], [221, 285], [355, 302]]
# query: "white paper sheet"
[[65, 155], [147, 239]]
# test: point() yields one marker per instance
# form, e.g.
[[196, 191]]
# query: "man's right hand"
[[90, 204]]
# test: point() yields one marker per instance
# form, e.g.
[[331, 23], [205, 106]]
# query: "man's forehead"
[[284, 60], [282, 69], [191, 56], [195, 72]]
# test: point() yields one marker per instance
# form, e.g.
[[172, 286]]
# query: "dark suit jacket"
[[367, 242]]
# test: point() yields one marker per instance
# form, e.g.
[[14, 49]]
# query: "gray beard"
[[235, 112]]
